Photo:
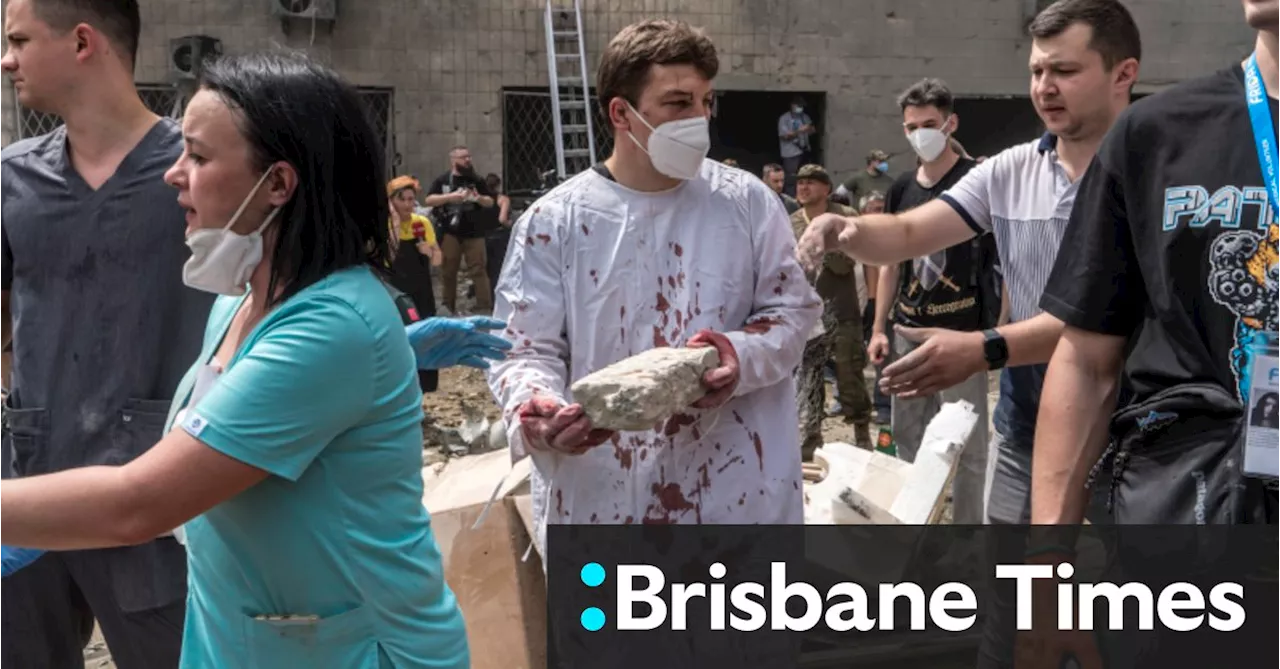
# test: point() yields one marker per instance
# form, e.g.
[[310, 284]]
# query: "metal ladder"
[[570, 94]]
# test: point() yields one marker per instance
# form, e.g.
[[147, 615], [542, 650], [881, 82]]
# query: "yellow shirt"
[[417, 227]]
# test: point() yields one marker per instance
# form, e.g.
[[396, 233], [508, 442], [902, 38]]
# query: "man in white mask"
[[945, 289], [656, 246]]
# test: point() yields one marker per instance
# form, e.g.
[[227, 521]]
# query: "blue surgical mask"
[[882, 167]]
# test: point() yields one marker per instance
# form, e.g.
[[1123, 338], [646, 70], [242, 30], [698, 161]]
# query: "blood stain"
[[659, 341], [544, 238], [585, 229], [623, 312], [629, 520], [679, 250], [761, 326], [671, 497], [663, 304], [674, 423], [560, 502], [671, 282], [777, 290], [594, 519], [732, 461], [755, 439]]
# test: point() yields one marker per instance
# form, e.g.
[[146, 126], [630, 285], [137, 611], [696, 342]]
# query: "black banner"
[[668, 597]]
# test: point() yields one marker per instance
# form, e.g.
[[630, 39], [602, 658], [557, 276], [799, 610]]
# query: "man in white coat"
[[657, 246]]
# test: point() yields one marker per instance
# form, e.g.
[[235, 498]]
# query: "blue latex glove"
[[445, 342], [17, 558]]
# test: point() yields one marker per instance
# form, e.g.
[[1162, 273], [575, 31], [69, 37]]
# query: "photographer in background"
[[460, 196]]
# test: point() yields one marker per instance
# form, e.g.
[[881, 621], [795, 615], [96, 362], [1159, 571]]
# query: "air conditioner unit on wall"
[[187, 55], [322, 10]]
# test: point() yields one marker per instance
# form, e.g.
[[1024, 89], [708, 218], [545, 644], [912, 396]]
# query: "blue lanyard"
[[1264, 133]]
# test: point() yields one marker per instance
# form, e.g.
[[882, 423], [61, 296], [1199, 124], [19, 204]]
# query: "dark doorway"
[[991, 125], [744, 126]]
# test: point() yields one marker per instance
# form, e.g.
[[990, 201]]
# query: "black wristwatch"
[[994, 349]]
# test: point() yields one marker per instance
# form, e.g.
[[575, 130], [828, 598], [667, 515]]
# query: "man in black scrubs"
[[102, 326]]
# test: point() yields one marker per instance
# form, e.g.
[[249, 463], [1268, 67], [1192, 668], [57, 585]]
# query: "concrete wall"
[[448, 61]]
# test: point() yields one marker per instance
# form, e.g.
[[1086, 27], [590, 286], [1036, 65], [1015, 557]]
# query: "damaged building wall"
[[448, 62]]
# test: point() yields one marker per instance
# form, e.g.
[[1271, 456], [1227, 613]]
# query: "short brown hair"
[[119, 20], [1115, 34], [624, 66]]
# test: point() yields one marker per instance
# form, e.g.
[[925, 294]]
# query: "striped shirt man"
[[1023, 196]]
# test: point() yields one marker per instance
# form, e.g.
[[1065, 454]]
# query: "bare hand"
[[943, 359], [824, 235], [424, 248], [548, 425], [723, 380], [878, 348], [395, 215]]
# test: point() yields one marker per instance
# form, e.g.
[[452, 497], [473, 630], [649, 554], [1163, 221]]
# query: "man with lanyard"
[[840, 337], [1169, 294]]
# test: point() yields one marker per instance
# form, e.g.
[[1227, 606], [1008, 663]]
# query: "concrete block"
[[638, 392]]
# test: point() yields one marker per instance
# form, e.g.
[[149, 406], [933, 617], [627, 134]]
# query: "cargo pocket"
[[140, 426], [26, 437], [343, 641], [1176, 458]]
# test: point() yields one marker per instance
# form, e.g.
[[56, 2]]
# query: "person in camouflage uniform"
[[841, 335]]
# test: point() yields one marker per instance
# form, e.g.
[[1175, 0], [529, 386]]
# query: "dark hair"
[[624, 66], [492, 180], [1259, 412], [295, 110], [772, 167], [928, 93], [119, 20], [1115, 34]]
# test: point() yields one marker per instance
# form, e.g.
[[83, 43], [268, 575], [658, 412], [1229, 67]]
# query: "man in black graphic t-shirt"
[[944, 289], [1168, 273]]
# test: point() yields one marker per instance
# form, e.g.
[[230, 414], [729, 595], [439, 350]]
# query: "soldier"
[[841, 336]]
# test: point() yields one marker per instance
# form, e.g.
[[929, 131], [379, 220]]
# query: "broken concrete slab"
[[638, 392]]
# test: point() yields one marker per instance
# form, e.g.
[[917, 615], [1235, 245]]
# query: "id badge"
[[1262, 427]]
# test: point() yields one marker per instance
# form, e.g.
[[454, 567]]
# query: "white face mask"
[[221, 261], [928, 143], [676, 148]]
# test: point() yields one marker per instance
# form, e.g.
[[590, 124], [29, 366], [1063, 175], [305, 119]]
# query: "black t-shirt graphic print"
[[1173, 242]]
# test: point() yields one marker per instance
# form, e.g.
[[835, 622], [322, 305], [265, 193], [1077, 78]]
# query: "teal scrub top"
[[330, 561]]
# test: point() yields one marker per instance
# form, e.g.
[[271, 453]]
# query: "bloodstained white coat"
[[596, 273]]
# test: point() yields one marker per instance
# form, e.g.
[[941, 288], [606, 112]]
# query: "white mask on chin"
[[221, 261], [676, 148]]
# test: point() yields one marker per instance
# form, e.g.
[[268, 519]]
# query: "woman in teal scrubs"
[[293, 465]]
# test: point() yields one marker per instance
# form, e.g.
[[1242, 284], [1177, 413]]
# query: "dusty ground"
[[459, 387]]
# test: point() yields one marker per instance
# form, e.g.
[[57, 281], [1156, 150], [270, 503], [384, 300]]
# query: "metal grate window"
[[161, 99], [380, 103], [529, 141]]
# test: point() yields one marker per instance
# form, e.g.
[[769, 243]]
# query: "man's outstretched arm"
[[1071, 431], [947, 357]]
